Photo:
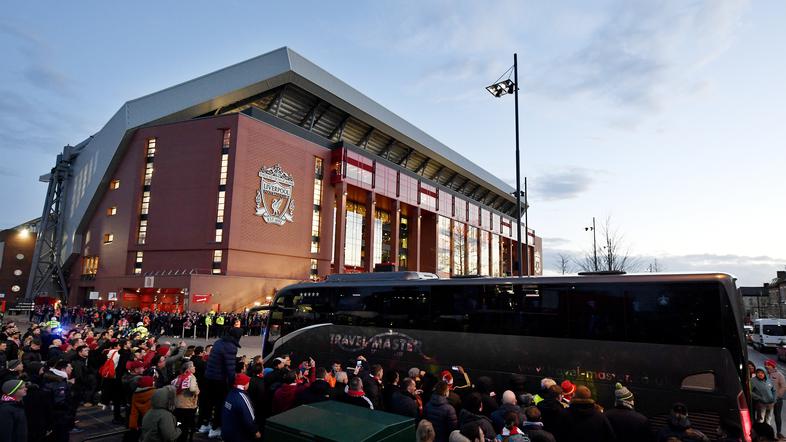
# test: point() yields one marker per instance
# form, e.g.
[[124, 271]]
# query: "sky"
[[663, 118]]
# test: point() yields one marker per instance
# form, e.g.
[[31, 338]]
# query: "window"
[[484, 253], [443, 245], [217, 258], [219, 235], [112, 211], [141, 236], [90, 265], [472, 250], [355, 246], [145, 205], [108, 238], [316, 219], [221, 204], [382, 236], [226, 138], [459, 248], [138, 263], [314, 274], [114, 184], [496, 264], [222, 182], [403, 240]]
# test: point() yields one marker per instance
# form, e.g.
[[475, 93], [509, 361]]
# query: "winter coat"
[[779, 382], [62, 402], [401, 402], [221, 363], [357, 398], [498, 417], [38, 408], [284, 397], [187, 397], [256, 392], [317, 391], [762, 391], [238, 417], [629, 425], [31, 356], [442, 416], [373, 389], [553, 415], [466, 417], [159, 424], [141, 402], [586, 424], [13, 422], [536, 433]]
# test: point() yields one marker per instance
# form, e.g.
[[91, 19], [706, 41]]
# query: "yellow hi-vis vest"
[[208, 321], [220, 320], [53, 324]]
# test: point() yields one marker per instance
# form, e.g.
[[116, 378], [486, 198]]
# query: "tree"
[[564, 264], [654, 266], [613, 253]]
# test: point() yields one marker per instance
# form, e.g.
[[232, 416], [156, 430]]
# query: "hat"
[[133, 365], [679, 408], [583, 396], [568, 387], [235, 332], [447, 377], [770, 363], [545, 383], [139, 324], [145, 382], [11, 387], [621, 393], [163, 350], [241, 379], [13, 364]]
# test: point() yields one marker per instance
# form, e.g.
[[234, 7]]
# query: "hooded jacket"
[[221, 363], [442, 415], [762, 390], [159, 424], [140, 405]]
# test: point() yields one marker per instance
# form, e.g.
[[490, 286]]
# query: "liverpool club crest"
[[274, 197]]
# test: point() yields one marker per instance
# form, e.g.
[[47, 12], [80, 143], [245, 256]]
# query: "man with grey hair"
[[355, 394]]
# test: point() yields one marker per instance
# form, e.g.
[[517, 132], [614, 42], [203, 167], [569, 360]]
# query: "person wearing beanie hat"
[[568, 389], [628, 424], [140, 402], [238, 416], [13, 422], [584, 422], [779, 383]]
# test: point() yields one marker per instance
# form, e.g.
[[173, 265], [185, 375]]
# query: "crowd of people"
[[168, 391]]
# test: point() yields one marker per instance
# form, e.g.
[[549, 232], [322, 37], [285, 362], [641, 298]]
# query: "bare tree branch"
[[564, 263], [613, 253]]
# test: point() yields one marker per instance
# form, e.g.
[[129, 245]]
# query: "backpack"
[[107, 371]]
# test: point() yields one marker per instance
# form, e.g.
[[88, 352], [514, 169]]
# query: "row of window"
[[223, 173]]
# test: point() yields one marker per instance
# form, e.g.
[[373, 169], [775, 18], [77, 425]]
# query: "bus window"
[[685, 314], [358, 306], [452, 307], [499, 310], [405, 307], [596, 312], [774, 330], [541, 312]]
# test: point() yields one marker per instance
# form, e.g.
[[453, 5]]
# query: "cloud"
[[35, 56], [642, 52], [555, 242], [561, 185], [9, 172], [48, 79]]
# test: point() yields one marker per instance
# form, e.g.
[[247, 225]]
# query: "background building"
[[16, 255], [216, 192]]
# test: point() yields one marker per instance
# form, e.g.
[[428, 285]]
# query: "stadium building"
[[218, 191]]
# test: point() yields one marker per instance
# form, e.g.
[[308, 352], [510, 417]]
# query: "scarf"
[[7, 398], [183, 382]]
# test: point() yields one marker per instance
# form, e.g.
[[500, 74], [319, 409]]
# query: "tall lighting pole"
[[594, 243], [498, 89]]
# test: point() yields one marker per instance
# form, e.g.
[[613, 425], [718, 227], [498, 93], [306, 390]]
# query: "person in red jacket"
[[285, 396]]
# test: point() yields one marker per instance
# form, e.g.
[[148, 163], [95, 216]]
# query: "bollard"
[[207, 332]]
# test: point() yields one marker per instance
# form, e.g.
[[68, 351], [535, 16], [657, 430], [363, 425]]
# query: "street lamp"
[[498, 89], [594, 242]]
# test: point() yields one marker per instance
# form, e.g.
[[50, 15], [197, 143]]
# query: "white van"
[[768, 333]]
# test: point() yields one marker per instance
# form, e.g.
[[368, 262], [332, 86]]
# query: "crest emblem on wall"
[[274, 196]]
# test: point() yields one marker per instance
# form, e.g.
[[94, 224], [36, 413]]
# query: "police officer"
[[220, 325], [208, 323], [53, 323], [141, 329]]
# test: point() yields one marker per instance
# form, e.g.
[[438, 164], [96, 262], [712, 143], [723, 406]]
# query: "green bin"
[[339, 422]]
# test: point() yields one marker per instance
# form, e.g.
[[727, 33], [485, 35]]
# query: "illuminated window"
[[443, 245], [403, 235], [112, 211], [314, 275], [108, 238], [382, 236], [138, 262], [151, 148], [114, 184], [90, 265], [217, 258], [226, 138], [141, 236], [222, 182], [316, 219], [219, 235], [145, 206]]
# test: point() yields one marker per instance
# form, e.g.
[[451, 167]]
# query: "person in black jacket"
[[403, 400], [508, 405], [440, 413], [533, 427], [553, 412], [317, 391], [485, 387], [13, 421], [372, 385], [473, 413], [629, 425], [219, 377], [356, 396], [584, 422]]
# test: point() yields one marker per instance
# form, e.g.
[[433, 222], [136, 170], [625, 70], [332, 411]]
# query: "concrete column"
[[371, 232], [341, 227], [395, 228]]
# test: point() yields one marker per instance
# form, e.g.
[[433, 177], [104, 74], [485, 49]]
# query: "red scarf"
[[7, 398], [182, 382], [353, 393]]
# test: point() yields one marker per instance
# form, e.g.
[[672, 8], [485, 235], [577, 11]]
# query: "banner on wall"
[[201, 298]]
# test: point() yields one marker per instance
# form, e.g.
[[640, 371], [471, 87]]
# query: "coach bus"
[[668, 337]]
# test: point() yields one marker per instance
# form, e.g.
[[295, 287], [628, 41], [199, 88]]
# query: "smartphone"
[[359, 364], [454, 368]]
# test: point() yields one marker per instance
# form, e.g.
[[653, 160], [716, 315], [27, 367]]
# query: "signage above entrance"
[[274, 197]]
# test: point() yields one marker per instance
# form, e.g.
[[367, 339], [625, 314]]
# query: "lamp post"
[[594, 243], [498, 89]]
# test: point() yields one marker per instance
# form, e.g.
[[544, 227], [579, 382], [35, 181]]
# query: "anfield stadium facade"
[[216, 192]]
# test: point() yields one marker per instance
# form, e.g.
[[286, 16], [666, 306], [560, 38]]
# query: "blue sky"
[[666, 116]]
